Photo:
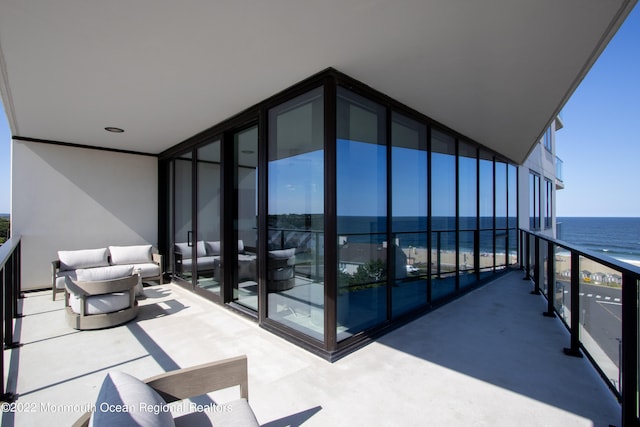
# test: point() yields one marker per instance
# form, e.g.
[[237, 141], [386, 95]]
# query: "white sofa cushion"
[[103, 273], [100, 304], [144, 404], [137, 254], [148, 269], [84, 258], [185, 249], [213, 248]]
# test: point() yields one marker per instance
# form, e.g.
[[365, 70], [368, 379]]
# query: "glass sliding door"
[[208, 245], [409, 209], [244, 263], [468, 213], [443, 214], [487, 250], [512, 213], [361, 196], [295, 246], [501, 232], [183, 239]]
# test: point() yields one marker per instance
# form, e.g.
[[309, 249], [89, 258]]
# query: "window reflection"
[[209, 204], [295, 247], [443, 214], [487, 250], [512, 212], [468, 210], [409, 207], [361, 196], [501, 214]]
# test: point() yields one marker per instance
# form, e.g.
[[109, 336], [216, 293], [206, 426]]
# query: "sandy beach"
[[418, 257]]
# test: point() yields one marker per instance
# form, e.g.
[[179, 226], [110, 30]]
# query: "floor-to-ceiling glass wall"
[[412, 212], [512, 213], [443, 214], [501, 231], [182, 216], [468, 212], [361, 197], [208, 217], [245, 180], [409, 183], [295, 246], [486, 203]]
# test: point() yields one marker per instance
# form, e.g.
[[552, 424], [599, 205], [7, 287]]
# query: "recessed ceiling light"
[[113, 129]]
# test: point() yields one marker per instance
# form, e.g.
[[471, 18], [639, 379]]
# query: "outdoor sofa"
[[280, 265], [146, 400], [140, 257]]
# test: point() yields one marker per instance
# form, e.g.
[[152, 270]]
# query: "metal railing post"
[[7, 313], [629, 367], [536, 266], [551, 281], [574, 349], [527, 258]]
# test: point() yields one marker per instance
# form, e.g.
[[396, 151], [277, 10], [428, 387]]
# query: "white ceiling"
[[497, 71]]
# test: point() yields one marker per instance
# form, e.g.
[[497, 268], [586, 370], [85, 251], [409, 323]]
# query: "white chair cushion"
[[282, 253], [103, 273], [130, 254], [101, 304], [146, 407], [84, 258]]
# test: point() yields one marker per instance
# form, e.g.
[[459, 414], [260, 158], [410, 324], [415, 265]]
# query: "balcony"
[[559, 179], [488, 356]]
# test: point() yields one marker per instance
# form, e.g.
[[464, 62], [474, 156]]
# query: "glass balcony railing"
[[559, 166], [597, 299]]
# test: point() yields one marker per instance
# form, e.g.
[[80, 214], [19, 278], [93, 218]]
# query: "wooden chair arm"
[[83, 421], [55, 267], [157, 258], [202, 379], [195, 381]]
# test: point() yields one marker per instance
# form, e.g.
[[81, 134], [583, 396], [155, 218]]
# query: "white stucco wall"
[[74, 198]]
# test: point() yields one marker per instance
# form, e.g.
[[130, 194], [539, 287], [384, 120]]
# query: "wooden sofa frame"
[[195, 381], [98, 321]]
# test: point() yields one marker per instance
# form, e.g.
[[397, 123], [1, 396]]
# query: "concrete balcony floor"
[[489, 358]]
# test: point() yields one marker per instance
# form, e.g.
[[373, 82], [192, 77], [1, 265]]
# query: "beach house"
[[328, 170]]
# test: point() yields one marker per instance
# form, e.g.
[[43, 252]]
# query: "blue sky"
[[600, 143]]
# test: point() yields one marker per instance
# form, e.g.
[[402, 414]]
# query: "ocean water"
[[616, 237]]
